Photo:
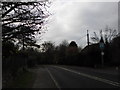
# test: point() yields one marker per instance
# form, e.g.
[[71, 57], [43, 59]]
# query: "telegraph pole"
[[87, 38]]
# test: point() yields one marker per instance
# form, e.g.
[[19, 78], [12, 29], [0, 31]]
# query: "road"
[[74, 77]]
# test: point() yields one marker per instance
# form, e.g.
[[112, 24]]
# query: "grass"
[[25, 80]]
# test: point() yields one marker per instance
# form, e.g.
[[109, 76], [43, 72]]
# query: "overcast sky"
[[71, 19]]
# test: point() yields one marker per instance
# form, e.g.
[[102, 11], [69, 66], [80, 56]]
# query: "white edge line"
[[53, 79], [92, 77]]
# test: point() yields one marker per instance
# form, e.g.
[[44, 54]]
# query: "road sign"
[[101, 45], [102, 53]]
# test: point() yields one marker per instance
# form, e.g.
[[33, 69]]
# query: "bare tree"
[[108, 34], [22, 20]]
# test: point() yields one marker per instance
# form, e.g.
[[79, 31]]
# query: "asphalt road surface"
[[75, 77]]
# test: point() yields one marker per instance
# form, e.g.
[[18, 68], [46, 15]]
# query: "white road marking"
[[53, 79], [92, 77]]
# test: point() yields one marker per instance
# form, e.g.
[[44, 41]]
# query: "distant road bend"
[[79, 77]]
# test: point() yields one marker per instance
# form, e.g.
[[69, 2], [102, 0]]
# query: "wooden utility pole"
[[87, 38]]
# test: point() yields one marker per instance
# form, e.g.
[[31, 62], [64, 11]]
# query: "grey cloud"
[[71, 20]]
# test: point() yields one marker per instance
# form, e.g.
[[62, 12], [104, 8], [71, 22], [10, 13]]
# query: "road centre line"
[[91, 77], [53, 79]]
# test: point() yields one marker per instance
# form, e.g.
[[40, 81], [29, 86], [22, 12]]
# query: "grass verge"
[[24, 80]]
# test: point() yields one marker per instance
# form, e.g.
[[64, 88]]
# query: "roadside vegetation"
[[21, 22], [18, 61], [24, 80]]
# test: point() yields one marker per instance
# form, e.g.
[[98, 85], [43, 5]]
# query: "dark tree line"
[[21, 21], [115, 51], [63, 54], [70, 54], [91, 55]]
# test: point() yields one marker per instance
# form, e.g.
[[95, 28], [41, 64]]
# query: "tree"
[[90, 55], [108, 35], [73, 48], [72, 53], [22, 20], [61, 52], [115, 51], [48, 49], [47, 46]]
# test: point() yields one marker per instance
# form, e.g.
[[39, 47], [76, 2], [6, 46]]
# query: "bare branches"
[[9, 10], [108, 35], [22, 12], [30, 15], [95, 38]]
